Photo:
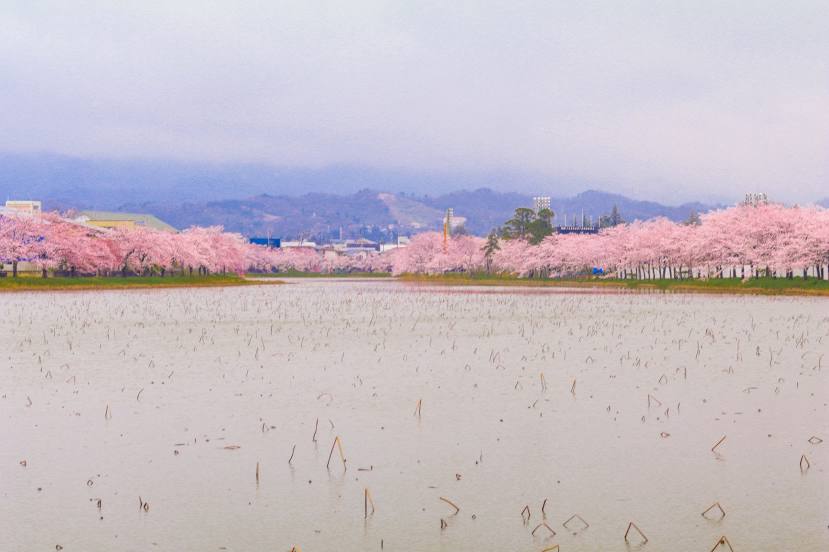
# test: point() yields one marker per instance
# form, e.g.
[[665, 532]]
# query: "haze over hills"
[[256, 199], [290, 202], [370, 213], [100, 183]]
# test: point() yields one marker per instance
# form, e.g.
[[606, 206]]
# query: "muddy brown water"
[[174, 396]]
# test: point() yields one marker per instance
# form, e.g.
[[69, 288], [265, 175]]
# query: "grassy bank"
[[36, 283], [296, 274], [758, 286]]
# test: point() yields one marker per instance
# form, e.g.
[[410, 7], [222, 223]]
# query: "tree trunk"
[[14, 269]]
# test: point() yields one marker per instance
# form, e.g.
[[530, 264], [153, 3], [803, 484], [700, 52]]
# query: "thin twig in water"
[[339, 445], [452, 504], [722, 541], [544, 524], [578, 517], [632, 525], [366, 501], [713, 506], [714, 448], [292, 455]]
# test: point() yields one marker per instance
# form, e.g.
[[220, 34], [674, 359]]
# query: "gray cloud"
[[672, 100]]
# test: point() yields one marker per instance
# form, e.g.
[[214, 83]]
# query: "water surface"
[[174, 396]]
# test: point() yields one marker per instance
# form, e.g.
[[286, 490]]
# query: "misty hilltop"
[[319, 214], [257, 199]]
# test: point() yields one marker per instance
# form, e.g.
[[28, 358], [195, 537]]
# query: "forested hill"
[[313, 214], [256, 199]]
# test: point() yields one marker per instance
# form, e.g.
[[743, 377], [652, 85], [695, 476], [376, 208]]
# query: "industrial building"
[[113, 220], [28, 207]]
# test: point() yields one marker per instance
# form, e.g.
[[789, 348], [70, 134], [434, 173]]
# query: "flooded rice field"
[[377, 416]]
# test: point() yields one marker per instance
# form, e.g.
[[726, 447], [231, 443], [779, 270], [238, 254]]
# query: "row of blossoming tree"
[[50, 242], [53, 243], [741, 241]]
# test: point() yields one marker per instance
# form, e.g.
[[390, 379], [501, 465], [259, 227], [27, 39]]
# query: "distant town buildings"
[[299, 243], [577, 229], [112, 220], [541, 202], [360, 244], [579, 225], [402, 241], [28, 207], [267, 242], [756, 199]]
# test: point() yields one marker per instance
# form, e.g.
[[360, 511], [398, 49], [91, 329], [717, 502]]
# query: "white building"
[[303, 243], [402, 241], [28, 207]]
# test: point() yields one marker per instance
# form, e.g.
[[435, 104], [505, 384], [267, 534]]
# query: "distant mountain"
[[595, 203], [486, 209], [88, 183], [257, 199], [824, 202], [312, 215], [289, 216], [483, 208]]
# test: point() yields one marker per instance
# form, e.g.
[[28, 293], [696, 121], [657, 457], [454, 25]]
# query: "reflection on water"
[[204, 420]]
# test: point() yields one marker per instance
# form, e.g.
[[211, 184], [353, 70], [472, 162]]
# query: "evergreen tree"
[[693, 219], [518, 225], [615, 218], [489, 249], [541, 226]]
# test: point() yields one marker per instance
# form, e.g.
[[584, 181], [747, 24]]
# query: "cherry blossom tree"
[[742, 241]]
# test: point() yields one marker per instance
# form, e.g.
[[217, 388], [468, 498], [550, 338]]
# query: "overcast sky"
[[668, 100]]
